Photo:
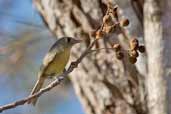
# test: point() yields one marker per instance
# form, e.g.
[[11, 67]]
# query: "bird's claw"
[[74, 64]]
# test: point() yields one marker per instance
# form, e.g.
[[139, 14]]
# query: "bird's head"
[[69, 41]]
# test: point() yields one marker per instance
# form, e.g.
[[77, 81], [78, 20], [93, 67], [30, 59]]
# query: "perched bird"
[[54, 62]]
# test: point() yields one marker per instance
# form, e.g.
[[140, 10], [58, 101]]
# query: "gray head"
[[68, 41], [65, 42]]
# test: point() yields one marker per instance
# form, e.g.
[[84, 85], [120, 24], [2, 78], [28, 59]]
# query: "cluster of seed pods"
[[113, 24]]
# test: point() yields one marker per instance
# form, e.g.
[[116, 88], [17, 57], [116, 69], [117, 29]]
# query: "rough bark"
[[167, 48], [103, 84], [155, 82]]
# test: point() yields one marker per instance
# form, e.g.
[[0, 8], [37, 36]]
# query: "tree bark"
[[155, 82], [104, 84]]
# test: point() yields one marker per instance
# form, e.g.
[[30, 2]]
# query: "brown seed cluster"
[[141, 48], [117, 47], [119, 54], [124, 22], [134, 48], [134, 44], [133, 52], [112, 23]]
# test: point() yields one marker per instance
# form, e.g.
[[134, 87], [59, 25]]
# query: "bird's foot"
[[74, 64]]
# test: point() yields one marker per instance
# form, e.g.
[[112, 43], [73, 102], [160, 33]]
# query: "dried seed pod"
[[134, 44], [119, 55], [99, 34], [124, 22], [117, 47], [132, 60], [133, 53], [115, 13], [115, 8], [141, 48], [107, 20]]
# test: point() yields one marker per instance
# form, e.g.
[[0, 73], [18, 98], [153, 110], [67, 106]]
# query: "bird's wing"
[[55, 49], [51, 54]]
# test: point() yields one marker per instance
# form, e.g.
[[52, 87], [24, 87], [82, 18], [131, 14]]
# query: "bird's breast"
[[59, 62]]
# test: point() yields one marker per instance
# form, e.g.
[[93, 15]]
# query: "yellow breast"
[[59, 62]]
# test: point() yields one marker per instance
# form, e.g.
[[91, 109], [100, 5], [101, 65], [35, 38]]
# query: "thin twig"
[[99, 49], [56, 82]]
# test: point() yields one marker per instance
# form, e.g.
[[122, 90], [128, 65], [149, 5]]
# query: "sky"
[[19, 17]]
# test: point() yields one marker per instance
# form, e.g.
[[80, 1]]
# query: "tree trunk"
[[104, 84], [155, 82]]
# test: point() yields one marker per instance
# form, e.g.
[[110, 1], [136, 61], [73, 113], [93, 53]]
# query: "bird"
[[54, 63]]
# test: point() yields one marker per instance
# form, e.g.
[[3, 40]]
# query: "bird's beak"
[[77, 41]]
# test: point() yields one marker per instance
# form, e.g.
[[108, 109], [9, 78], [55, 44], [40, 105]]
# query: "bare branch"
[[56, 82]]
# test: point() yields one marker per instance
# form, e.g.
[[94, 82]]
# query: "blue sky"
[[17, 16]]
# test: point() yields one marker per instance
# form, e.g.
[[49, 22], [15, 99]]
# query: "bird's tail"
[[36, 89]]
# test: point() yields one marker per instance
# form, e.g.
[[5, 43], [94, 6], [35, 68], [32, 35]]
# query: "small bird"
[[54, 62]]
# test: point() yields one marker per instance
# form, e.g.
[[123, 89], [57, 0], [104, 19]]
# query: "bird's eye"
[[68, 39]]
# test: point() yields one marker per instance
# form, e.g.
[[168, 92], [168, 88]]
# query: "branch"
[[56, 82]]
